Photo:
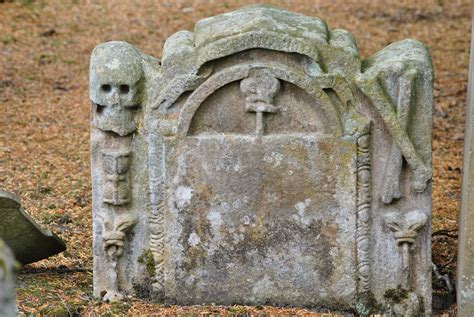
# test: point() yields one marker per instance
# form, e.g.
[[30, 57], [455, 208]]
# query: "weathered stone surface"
[[28, 241], [465, 274], [267, 166], [7, 282]]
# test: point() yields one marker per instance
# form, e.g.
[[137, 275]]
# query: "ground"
[[44, 140]]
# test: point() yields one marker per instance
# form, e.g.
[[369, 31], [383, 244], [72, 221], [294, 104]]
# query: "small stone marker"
[[465, 265], [263, 162], [7, 282], [28, 241]]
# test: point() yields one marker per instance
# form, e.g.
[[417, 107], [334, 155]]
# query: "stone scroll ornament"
[[258, 162]]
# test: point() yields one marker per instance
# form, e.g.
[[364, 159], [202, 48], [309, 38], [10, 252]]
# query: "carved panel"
[[116, 179]]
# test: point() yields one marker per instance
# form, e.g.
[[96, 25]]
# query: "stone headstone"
[[7, 282], [465, 273], [263, 162], [28, 241]]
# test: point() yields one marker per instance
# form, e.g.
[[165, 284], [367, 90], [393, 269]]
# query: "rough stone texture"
[[465, 274], [28, 241], [7, 282], [268, 164]]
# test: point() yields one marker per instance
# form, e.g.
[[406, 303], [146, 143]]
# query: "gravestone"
[[465, 273], [262, 161], [28, 241], [7, 282]]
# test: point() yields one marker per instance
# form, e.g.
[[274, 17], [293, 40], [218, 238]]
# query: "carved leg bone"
[[391, 184], [405, 249]]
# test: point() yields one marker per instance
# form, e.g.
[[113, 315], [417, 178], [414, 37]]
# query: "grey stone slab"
[[465, 273], [266, 162], [28, 241], [7, 281]]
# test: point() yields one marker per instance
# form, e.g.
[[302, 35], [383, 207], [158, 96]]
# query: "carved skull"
[[116, 85]]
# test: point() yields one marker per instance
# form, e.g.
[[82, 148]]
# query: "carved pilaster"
[[157, 201], [363, 213]]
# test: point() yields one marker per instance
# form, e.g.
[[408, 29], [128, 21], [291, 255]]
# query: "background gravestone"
[[28, 241], [465, 274], [262, 161], [7, 282]]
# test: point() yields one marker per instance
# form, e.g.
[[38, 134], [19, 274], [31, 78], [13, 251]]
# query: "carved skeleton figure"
[[116, 80]]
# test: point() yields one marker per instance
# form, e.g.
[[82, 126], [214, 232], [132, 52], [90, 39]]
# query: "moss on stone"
[[367, 304], [396, 295], [146, 258], [3, 269]]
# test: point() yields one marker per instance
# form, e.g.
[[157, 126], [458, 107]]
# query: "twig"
[[445, 233], [54, 270], [444, 277], [65, 306]]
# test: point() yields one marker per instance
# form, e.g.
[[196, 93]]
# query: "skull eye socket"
[[124, 89], [106, 88]]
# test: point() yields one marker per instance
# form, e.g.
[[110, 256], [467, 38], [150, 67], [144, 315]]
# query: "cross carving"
[[259, 90]]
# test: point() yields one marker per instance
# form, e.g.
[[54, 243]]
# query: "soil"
[[44, 141]]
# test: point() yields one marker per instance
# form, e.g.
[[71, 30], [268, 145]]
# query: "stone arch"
[[312, 85]]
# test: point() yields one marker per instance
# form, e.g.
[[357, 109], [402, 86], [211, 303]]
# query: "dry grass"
[[44, 139]]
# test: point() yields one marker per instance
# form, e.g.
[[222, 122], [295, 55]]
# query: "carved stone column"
[[465, 274]]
